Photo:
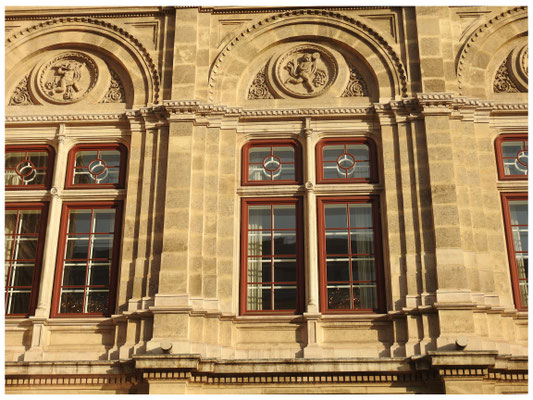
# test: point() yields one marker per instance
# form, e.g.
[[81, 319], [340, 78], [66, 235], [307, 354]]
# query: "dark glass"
[[97, 302], [99, 274], [74, 275], [259, 243], [285, 242], [29, 221], [336, 242], [104, 220], [285, 217], [362, 241], [259, 217], [363, 270], [19, 302], [336, 216], [285, 270], [79, 221], [285, 297], [23, 275], [338, 270], [71, 302], [102, 247], [26, 248], [338, 297], [77, 248], [259, 270]]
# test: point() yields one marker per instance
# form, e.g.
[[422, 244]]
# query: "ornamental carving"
[[305, 71], [259, 88], [116, 92], [512, 75], [21, 95], [356, 86], [67, 78]]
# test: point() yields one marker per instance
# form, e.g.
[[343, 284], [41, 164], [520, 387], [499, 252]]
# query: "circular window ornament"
[[67, 78], [521, 162], [305, 71], [98, 169], [26, 171]]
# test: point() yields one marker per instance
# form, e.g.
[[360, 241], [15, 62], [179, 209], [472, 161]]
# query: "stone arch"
[[127, 56], [233, 66], [486, 49]]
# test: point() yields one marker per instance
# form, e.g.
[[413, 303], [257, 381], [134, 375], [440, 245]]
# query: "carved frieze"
[[21, 95], [356, 86], [512, 75], [116, 92]]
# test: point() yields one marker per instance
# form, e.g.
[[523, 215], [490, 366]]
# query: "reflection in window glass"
[[514, 157], [272, 163], [26, 168], [345, 161], [97, 167], [519, 230]]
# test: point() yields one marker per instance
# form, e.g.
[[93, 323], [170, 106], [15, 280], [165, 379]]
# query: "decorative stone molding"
[[503, 82], [512, 75], [116, 92], [481, 31], [259, 88], [74, 380], [114, 28], [356, 86], [21, 95], [64, 118], [400, 70]]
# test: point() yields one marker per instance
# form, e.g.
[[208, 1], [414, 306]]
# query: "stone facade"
[[183, 89]]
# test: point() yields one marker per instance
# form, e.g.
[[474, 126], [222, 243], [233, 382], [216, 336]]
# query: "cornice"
[[261, 10], [44, 13], [65, 118]]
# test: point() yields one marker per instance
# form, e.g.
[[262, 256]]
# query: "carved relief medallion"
[[305, 71], [67, 78]]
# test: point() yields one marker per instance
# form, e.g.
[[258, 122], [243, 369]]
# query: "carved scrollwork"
[[116, 92], [512, 75], [21, 95], [356, 86], [259, 88]]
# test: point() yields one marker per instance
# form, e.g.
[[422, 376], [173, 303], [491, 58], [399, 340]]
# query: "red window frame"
[[61, 254], [372, 162], [49, 168], [99, 147], [378, 263], [245, 203], [273, 143], [43, 207], [511, 251], [500, 159]]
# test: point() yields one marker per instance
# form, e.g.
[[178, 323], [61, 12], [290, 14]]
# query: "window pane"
[[285, 242], [79, 221], [110, 157], [360, 215], [18, 302], [10, 221], [338, 269], [99, 273], [332, 152], [22, 274], [336, 242], [285, 217], [258, 154], [101, 247], [336, 216], [104, 221], [362, 241], [26, 168], [518, 210], [25, 248], [71, 301], [97, 301], [364, 296], [259, 243], [84, 158], [77, 248], [332, 171], [259, 217], [285, 297], [29, 221], [285, 153], [285, 270], [259, 269], [363, 269], [338, 297], [74, 274], [259, 297], [511, 148], [286, 172], [359, 151]]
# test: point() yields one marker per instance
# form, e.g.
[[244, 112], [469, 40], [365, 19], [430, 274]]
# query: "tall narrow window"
[[272, 263], [350, 255], [24, 239], [87, 259], [28, 167], [344, 160], [271, 163], [101, 166], [512, 154], [515, 215]]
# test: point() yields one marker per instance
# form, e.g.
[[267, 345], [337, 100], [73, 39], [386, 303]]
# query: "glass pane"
[[259, 217], [285, 297], [11, 178], [104, 221], [360, 215], [29, 221], [82, 177], [523, 293], [38, 158], [363, 269], [13, 158], [285, 153], [258, 154], [22, 274], [79, 221], [110, 157], [259, 297], [74, 274], [362, 241], [259, 270], [25, 248], [521, 264], [257, 173], [98, 273], [71, 301], [332, 171], [285, 217], [511, 148], [285, 242], [285, 270], [8, 246], [361, 170], [97, 301], [259, 243], [10, 221], [338, 297], [18, 302], [77, 247], [520, 238], [332, 152], [335, 215], [364, 296], [338, 269], [518, 211], [84, 158], [359, 151], [102, 247], [286, 172], [337, 242], [110, 176]]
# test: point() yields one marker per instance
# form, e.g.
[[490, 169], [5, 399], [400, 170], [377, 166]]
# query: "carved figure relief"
[[67, 78], [259, 88], [512, 75], [116, 92], [305, 71], [21, 95]]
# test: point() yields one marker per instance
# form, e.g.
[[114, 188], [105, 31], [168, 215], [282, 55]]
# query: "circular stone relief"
[[305, 71], [67, 78]]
